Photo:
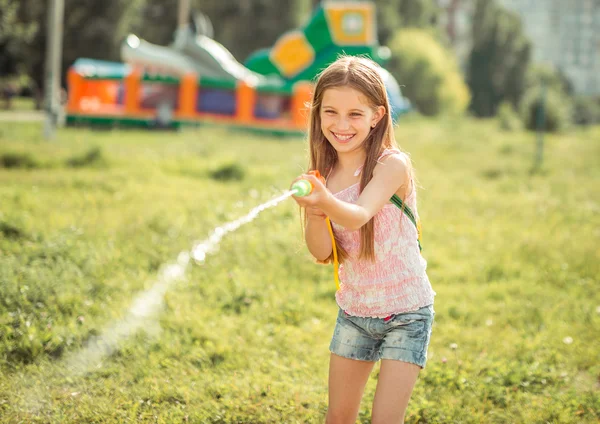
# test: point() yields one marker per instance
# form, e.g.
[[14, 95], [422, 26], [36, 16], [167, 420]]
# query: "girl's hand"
[[317, 196]]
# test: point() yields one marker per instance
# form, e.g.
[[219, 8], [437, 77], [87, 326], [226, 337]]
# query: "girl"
[[385, 299]]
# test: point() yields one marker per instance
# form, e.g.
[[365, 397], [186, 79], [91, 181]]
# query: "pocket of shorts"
[[399, 320]]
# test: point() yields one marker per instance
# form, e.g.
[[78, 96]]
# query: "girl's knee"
[[395, 416], [340, 416]]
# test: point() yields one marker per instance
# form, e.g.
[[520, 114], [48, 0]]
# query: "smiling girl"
[[385, 299]]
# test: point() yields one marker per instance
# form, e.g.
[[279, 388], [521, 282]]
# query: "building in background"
[[456, 17], [564, 33]]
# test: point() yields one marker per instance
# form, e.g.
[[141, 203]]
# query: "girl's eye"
[[330, 112], [355, 114]]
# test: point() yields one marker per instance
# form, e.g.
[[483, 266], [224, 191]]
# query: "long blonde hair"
[[362, 75]]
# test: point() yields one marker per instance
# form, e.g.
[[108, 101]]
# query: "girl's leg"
[[395, 385], [347, 381]]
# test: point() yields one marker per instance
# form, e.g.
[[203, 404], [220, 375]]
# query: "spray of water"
[[145, 307]]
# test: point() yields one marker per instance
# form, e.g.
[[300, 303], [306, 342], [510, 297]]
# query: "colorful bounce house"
[[196, 80]]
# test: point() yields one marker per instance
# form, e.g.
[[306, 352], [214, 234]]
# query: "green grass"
[[87, 221], [23, 104]]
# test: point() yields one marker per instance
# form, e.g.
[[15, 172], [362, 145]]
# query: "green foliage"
[[11, 232], [509, 118], [93, 157], [586, 110], [553, 78], [18, 160], [428, 73], [228, 171], [95, 29], [249, 25], [244, 337], [14, 36], [99, 24], [546, 84], [498, 60], [395, 14], [155, 21], [90, 29], [556, 113]]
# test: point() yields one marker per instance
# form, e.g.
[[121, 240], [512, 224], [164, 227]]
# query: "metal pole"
[[53, 68], [541, 124], [184, 13]]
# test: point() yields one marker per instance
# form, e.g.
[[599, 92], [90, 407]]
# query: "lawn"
[[23, 104], [89, 332]]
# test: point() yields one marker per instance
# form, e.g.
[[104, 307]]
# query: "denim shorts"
[[403, 337]]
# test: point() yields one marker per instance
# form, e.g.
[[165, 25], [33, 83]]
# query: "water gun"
[[303, 188]]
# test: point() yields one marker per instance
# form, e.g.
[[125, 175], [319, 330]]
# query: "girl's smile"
[[342, 138]]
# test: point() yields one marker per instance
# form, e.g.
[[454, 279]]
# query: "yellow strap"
[[336, 276]]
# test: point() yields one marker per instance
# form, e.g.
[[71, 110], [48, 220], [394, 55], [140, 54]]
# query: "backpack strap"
[[409, 213]]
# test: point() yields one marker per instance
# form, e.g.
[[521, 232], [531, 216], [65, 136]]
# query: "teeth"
[[343, 137]]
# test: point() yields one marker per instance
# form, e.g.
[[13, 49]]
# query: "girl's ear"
[[379, 113]]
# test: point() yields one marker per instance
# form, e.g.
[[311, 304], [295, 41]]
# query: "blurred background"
[[134, 130], [480, 57]]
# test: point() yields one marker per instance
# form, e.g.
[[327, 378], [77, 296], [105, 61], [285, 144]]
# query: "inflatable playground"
[[196, 80]]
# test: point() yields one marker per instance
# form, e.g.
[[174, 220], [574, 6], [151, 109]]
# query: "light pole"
[[184, 13], [52, 67]]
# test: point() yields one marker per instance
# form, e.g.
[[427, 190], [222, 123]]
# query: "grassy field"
[[23, 104], [88, 222]]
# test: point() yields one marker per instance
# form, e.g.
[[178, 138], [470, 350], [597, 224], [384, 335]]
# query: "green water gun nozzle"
[[301, 188]]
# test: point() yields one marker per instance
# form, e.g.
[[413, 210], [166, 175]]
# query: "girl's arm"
[[317, 235], [389, 175]]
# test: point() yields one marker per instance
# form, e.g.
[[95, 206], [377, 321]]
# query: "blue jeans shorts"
[[403, 337]]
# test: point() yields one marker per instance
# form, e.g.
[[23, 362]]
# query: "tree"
[[95, 29], [156, 21], [428, 73], [91, 29], [247, 25], [499, 59], [396, 14], [14, 35], [553, 77], [551, 84], [241, 26]]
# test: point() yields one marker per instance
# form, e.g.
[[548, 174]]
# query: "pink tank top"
[[397, 281]]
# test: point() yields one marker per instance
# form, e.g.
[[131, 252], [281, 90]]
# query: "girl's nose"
[[343, 124]]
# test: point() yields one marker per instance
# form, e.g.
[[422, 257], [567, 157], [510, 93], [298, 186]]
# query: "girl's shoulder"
[[395, 165], [393, 158], [393, 153], [402, 160]]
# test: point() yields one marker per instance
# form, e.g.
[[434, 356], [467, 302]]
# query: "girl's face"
[[347, 118]]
